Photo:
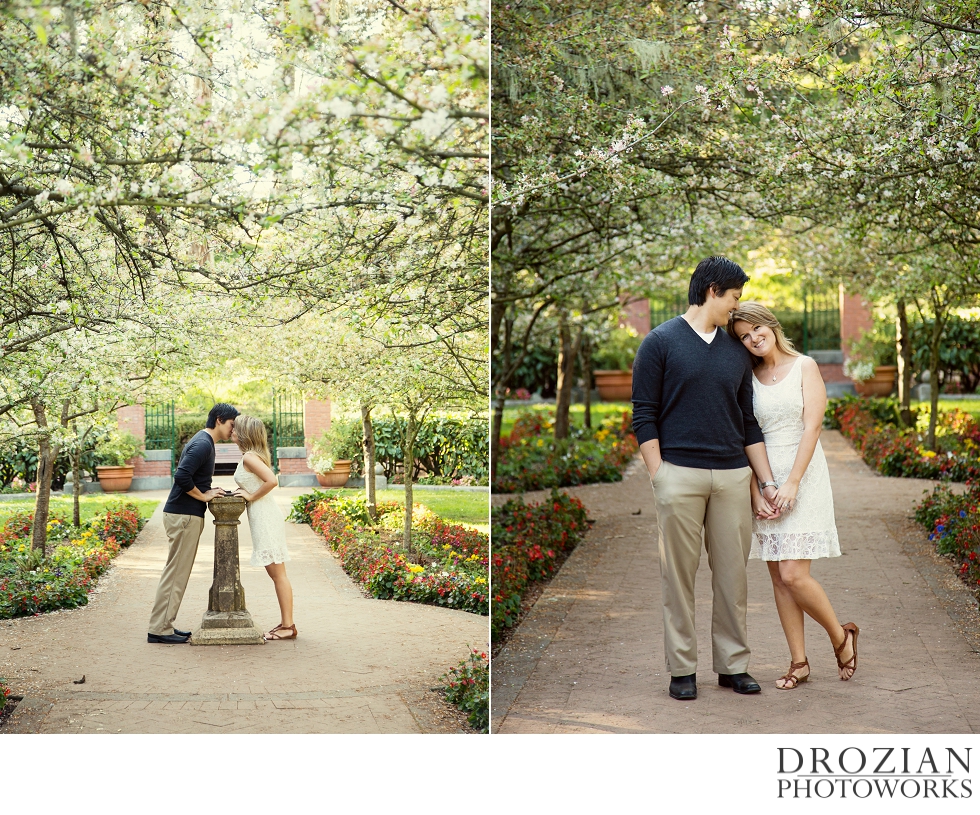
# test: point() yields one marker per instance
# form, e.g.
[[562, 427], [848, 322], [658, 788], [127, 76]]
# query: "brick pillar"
[[855, 317], [151, 471], [636, 315], [316, 419], [132, 419]]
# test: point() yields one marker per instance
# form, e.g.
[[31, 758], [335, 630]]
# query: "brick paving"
[[359, 665], [589, 656]]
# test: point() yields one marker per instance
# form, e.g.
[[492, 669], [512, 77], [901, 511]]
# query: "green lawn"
[[600, 411], [90, 505], [465, 507], [971, 406]]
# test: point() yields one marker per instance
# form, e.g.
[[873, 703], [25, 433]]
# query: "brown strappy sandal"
[[852, 663], [792, 677], [276, 633]]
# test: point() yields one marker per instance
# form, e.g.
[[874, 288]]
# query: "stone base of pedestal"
[[227, 628]]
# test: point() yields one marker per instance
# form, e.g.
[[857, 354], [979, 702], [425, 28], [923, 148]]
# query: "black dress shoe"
[[740, 683], [683, 687], [173, 639], [180, 633]]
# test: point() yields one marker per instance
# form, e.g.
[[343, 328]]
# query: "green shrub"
[[445, 446], [959, 352], [530, 459], [468, 687], [32, 582], [115, 449], [449, 564], [528, 540], [618, 351]]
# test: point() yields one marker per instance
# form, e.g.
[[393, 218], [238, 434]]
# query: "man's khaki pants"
[[718, 502], [184, 532]]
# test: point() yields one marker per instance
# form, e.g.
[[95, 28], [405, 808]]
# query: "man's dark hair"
[[221, 411], [718, 273]]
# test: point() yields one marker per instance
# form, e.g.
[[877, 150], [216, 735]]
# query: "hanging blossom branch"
[[609, 157]]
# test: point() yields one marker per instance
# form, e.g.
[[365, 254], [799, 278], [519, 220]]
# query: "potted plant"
[[871, 364], [324, 460], [111, 455], [613, 363]]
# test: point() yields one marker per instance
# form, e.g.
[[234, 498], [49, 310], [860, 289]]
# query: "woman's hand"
[[786, 495], [243, 494], [761, 508]]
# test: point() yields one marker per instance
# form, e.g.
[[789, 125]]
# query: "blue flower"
[[962, 513], [940, 528]]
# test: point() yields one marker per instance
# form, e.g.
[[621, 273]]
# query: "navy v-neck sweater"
[[696, 397]]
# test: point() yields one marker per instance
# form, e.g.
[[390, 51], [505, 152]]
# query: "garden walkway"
[[589, 656], [359, 665]]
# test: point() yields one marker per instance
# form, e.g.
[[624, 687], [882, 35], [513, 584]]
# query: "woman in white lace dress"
[[256, 481], [789, 399]]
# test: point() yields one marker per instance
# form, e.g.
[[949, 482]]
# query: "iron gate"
[[161, 430], [287, 424], [815, 328], [821, 321]]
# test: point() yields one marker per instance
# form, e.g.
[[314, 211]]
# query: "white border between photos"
[[716, 774]]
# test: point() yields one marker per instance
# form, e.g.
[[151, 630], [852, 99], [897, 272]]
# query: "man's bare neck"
[[698, 318]]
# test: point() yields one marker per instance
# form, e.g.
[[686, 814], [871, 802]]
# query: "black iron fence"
[[161, 430], [814, 328], [287, 423]]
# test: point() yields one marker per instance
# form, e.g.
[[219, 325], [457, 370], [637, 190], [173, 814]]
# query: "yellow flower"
[[416, 569], [929, 453]]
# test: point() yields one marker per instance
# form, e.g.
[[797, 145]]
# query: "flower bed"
[[530, 461], [4, 694], [953, 523], [468, 687], [448, 565], [528, 540], [872, 426], [74, 558]]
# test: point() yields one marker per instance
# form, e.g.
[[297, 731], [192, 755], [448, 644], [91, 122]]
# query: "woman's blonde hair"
[[757, 314], [251, 435]]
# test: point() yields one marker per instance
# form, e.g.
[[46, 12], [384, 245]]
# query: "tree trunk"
[[904, 365], [587, 380], [76, 483], [935, 342], [411, 431], [495, 428], [567, 353], [368, 445], [46, 455]]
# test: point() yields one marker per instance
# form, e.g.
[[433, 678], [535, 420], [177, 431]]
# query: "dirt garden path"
[[359, 665], [589, 656]]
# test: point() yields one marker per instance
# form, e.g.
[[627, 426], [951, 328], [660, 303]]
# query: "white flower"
[[41, 197], [700, 89], [666, 90]]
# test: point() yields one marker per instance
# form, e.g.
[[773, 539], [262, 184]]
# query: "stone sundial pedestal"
[[227, 621]]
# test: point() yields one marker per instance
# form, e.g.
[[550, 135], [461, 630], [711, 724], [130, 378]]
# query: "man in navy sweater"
[[693, 420], [183, 520]]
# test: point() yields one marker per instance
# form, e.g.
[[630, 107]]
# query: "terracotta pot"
[[881, 384], [115, 479], [336, 477], [614, 386]]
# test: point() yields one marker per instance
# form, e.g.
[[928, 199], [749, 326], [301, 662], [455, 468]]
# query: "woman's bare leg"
[[809, 595], [284, 591], [791, 619]]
